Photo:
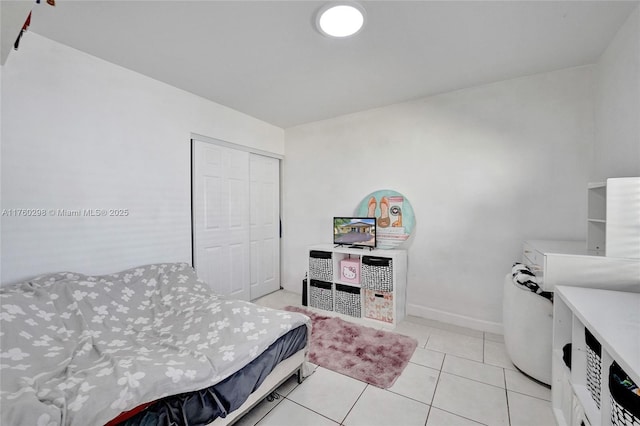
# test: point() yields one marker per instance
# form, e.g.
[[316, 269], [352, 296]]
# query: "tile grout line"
[[506, 395], [269, 411], [434, 395], [314, 411], [408, 397], [435, 389], [428, 414], [474, 380], [354, 404], [530, 396], [463, 417], [282, 398]]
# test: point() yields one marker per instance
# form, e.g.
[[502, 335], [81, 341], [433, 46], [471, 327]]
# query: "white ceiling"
[[266, 59]]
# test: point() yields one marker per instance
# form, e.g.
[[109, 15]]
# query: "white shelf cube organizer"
[[596, 341], [596, 330], [368, 285], [613, 218]]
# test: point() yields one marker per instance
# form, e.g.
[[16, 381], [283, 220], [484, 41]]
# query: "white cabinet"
[[613, 218], [568, 263], [539, 254], [365, 284], [558, 262], [623, 218], [596, 218], [611, 256], [611, 319]]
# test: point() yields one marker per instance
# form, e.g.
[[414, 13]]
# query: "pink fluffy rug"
[[372, 356]]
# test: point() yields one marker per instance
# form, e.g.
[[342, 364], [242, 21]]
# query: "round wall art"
[[394, 214]]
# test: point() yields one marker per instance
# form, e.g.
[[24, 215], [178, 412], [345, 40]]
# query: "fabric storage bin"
[[320, 265], [625, 398], [350, 271], [348, 300], [377, 273], [594, 366], [378, 305], [321, 295]]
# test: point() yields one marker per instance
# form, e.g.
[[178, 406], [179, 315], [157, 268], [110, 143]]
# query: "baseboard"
[[455, 319], [446, 317]]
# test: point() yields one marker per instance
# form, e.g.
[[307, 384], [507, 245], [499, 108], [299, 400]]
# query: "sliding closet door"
[[265, 224], [221, 218]]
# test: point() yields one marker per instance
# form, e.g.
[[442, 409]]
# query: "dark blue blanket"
[[204, 406]]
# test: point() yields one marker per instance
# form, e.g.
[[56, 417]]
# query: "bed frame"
[[287, 368]]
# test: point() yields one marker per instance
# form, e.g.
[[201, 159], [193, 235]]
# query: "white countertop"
[[613, 317]]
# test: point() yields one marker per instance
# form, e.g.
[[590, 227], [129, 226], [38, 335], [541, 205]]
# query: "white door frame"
[[239, 147]]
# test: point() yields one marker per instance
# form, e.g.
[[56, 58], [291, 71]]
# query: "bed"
[[150, 345]]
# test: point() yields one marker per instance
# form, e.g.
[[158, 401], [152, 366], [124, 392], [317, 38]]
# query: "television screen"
[[354, 231]]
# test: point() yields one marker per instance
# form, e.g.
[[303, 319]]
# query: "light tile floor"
[[456, 376]]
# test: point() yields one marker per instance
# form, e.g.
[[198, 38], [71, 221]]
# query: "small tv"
[[357, 232]]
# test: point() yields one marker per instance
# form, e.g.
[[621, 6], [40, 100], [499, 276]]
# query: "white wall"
[[81, 133], [484, 169], [1, 68], [617, 142]]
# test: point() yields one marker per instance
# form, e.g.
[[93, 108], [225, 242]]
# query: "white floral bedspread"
[[79, 350]]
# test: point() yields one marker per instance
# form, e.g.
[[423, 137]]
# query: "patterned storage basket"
[[625, 398], [348, 300], [377, 273], [320, 295], [378, 305], [594, 366], [320, 265]]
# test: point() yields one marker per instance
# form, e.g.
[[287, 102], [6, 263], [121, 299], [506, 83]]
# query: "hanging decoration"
[[22, 31], [27, 23]]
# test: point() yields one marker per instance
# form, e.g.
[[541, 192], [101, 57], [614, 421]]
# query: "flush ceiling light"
[[340, 19]]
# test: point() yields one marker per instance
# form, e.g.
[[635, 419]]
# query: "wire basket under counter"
[[625, 398], [594, 366]]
